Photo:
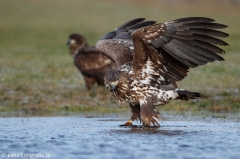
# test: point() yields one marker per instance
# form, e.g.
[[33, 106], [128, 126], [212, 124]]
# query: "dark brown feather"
[[118, 44], [204, 25], [192, 20], [204, 38], [208, 32], [204, 45], [141, 24], [170, 51], [190, 41], [124, 27]]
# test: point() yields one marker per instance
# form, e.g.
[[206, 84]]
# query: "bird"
[[152, 57], [91, 63]]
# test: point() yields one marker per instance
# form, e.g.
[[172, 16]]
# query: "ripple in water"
[[75, 137]]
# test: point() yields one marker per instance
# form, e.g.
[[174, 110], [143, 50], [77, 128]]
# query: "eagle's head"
[[76, 41], [111, 79]]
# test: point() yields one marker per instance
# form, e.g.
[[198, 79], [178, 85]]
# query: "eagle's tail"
[[186, 95]]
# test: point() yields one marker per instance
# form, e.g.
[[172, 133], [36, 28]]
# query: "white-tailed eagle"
[[152, 57], [92, 63]]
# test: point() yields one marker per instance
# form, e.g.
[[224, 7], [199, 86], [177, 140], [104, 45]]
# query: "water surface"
[[91, 138]]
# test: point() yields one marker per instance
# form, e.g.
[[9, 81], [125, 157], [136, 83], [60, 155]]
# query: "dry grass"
[[37, 75]]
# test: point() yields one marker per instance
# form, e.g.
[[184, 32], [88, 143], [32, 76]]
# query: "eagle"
[[92, 63], [152, 57]]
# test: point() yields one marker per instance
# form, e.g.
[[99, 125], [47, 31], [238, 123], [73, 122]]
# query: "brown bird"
[[92, 63], [152, 57]]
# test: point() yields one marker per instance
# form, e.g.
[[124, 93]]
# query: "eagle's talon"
[[128, 123]]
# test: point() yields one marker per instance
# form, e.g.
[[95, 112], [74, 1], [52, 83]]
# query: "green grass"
[[37, 75]]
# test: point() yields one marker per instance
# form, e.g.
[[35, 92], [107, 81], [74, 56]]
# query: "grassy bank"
[[37, 75]]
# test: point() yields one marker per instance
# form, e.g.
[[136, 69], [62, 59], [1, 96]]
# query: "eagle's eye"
[[107, 86]]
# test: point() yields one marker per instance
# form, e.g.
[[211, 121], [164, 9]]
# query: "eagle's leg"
[[135, 115], [149, 114]]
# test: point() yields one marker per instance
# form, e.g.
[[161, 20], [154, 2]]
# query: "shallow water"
[[90, 138]]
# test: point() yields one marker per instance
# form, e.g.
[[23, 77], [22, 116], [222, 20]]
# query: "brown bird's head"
[[76, 41], [111, 79]]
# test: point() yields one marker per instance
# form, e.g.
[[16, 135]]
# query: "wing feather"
[[123, 27], [118, 44], [182, 44], [170, 51], [204, 25], [181, 21], [165, 48], [141, 24]]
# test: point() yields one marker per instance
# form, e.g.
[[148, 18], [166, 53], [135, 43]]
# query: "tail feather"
[[186, 95]]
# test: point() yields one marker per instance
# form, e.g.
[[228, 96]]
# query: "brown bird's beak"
[[71, 42], [68, 42]]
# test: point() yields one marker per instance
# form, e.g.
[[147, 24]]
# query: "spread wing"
[[173, 47], [118, 44]]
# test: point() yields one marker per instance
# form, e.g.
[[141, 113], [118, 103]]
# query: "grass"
[[37, 76]]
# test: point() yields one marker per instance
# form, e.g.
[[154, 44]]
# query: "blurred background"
[[37, 75]]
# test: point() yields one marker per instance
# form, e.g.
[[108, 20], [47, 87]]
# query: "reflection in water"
[[148, 131]]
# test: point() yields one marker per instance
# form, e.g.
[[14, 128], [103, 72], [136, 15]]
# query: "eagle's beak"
[[114, 85], [68, 42]]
